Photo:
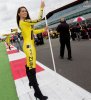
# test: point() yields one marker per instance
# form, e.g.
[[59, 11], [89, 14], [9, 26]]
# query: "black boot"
[[28, 73], [38, 93], [33, 82], [9, 48], [40, 97]]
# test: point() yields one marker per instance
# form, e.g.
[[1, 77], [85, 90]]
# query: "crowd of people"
[[80, 31], [77, 31]]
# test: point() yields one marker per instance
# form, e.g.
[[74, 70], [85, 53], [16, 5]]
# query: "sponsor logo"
[[31, 59]]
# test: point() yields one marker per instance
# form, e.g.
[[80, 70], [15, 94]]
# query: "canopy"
[[79, 19]]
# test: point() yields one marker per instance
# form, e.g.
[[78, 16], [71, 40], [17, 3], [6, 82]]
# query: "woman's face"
[[23, 13]]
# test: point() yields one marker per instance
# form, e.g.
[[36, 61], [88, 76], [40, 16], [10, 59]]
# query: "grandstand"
[[70, 11]]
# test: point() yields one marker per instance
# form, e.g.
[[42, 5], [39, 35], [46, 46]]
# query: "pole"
[[50, 42]]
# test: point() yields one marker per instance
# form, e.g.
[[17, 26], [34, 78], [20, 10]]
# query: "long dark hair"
[[18, 17]]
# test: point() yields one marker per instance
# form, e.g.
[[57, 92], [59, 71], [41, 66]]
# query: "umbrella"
[[79, 19]]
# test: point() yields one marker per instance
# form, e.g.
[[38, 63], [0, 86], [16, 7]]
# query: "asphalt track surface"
[[78, 70]]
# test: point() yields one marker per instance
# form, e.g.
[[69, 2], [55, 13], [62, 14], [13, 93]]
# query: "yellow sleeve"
[[39, 18], [40, 14], [6, 34], [38, 31]]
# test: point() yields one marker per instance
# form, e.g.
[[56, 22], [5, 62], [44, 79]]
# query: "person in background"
[[7, 40], [78, 31], [40, 38], [64, 35]]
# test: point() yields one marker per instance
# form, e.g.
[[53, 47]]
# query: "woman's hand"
[[42, 4]]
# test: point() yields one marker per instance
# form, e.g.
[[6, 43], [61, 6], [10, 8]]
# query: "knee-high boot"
[[33, 82]]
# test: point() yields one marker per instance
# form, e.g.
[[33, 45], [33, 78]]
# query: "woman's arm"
[[39, 17], [6, 34], [9, 34], [38, 31]]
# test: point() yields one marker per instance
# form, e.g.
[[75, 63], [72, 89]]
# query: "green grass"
[[7, 86]]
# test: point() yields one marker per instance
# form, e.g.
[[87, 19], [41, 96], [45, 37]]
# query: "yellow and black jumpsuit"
[[28, 45], [7, 40], [30, 51]]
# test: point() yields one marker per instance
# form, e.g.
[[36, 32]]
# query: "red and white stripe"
[[55, 86]]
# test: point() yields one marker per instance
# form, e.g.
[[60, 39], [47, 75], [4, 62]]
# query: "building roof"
[[64, 7]]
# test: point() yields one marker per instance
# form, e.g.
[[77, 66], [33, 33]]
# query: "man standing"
[[63, 29]]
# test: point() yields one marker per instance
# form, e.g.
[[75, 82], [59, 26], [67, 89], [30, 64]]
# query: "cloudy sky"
[[8, 10]]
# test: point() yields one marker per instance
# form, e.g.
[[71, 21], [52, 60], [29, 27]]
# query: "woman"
[[26, 25], [7, 40]]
